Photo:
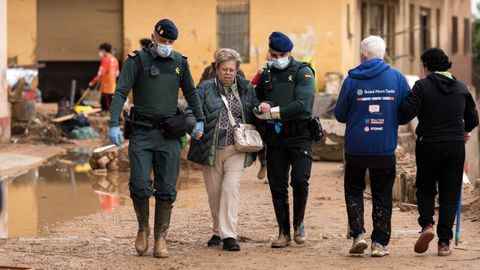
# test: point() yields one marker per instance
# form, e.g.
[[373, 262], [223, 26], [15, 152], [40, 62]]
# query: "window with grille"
[[233, 27], [466, 36], [411, 31], [454, 34], [438, 27], [378, 18], [425, 41]]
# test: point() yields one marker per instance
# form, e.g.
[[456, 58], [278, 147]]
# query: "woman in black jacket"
[[223, 164], [446, 113]]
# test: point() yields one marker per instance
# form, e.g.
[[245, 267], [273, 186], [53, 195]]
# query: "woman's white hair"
[[226, 54], [373, 47]]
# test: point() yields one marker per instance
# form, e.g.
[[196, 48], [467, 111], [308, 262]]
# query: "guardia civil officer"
[[286, 90], [154, 74]]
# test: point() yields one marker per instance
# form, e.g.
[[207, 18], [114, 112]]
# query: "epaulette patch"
[[132, 54]]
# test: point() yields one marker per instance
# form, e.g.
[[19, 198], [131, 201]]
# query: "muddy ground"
[[105, 240]]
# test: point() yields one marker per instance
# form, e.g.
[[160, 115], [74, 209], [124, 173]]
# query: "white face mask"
[[164, 50], [281, 63]]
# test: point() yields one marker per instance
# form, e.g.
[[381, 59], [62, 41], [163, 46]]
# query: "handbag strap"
[[230, 116]]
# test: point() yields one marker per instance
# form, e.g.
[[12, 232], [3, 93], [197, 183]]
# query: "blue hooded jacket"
[[368, 103]]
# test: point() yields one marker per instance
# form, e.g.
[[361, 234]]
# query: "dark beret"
[[280, 42], [166, 29]]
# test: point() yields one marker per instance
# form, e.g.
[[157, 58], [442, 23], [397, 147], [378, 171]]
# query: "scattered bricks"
[[114, 160], [111, 155], [103, 162], [113, 165]]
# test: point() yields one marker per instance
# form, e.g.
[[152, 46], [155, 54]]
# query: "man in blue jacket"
[[368, 104]]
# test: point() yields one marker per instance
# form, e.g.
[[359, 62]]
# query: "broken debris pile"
[[404, 188], [473, 208], [113, 160]]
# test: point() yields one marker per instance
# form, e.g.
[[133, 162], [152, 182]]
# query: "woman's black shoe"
[[215, 241], [231, 244]]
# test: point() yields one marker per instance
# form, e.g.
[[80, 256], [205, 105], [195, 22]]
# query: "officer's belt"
[[298, 124], [293, 128], [149, 122]]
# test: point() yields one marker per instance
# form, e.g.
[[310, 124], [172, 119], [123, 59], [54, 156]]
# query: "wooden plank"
[[70, 116]]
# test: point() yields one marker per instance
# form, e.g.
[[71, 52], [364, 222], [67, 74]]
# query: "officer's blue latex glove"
[[198, 130], [115, 135]]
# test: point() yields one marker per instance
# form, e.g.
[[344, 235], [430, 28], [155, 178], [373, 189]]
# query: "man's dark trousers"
[[381, 183]]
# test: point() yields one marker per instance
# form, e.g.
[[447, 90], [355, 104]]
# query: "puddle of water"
[[33, 203]]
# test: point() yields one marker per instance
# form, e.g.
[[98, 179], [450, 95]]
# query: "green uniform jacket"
[[292, 89], [155, 96]]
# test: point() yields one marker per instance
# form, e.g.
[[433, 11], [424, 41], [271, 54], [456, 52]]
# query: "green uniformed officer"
[[286, 90], [155, 75]]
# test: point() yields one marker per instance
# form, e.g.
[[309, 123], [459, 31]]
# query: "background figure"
[[210, 71], [145, 43], [446, 113], [223, 164], [107, 75], [368, 103]]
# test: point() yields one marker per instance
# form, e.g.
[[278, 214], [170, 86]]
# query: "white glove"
[[262, 116], [273, 113]]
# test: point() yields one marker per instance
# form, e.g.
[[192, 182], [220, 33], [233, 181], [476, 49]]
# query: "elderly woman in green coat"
[[223, 164]]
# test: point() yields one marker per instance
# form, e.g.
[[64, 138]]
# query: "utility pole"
[[5, 116]]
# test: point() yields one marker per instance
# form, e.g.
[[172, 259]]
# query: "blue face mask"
[[281, 63], [164, 50]]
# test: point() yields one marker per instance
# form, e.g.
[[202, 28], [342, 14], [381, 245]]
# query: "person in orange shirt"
[[107, 75]]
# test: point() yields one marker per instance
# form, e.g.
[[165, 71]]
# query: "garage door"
[[72, 30]]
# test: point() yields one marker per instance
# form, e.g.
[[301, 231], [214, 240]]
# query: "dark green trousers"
[[148, 150]]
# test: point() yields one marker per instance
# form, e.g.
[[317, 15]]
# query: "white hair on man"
[[372, 47]]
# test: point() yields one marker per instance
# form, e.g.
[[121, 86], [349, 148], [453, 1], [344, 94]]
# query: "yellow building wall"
[[22, 30], [350, 35], [314, 27], [195, 20], [314, 34], [461, 61]]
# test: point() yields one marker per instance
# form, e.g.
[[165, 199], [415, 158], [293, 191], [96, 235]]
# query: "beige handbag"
[[245, 136]]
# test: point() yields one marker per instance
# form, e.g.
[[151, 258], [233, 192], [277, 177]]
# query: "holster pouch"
[[175, 126], [316, 128], [127, 128]]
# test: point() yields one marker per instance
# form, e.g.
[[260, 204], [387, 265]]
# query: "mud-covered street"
[[105, 240]]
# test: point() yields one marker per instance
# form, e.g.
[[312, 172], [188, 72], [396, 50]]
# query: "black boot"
[[282, 213], [142, 212], [299, 205], [163, 212]]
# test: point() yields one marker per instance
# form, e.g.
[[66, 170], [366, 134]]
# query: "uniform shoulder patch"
[[133, 54]]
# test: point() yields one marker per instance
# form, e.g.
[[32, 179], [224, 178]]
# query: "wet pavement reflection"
[[33, 203]]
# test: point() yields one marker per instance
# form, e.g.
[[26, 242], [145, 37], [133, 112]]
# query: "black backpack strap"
[[145, 62]]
